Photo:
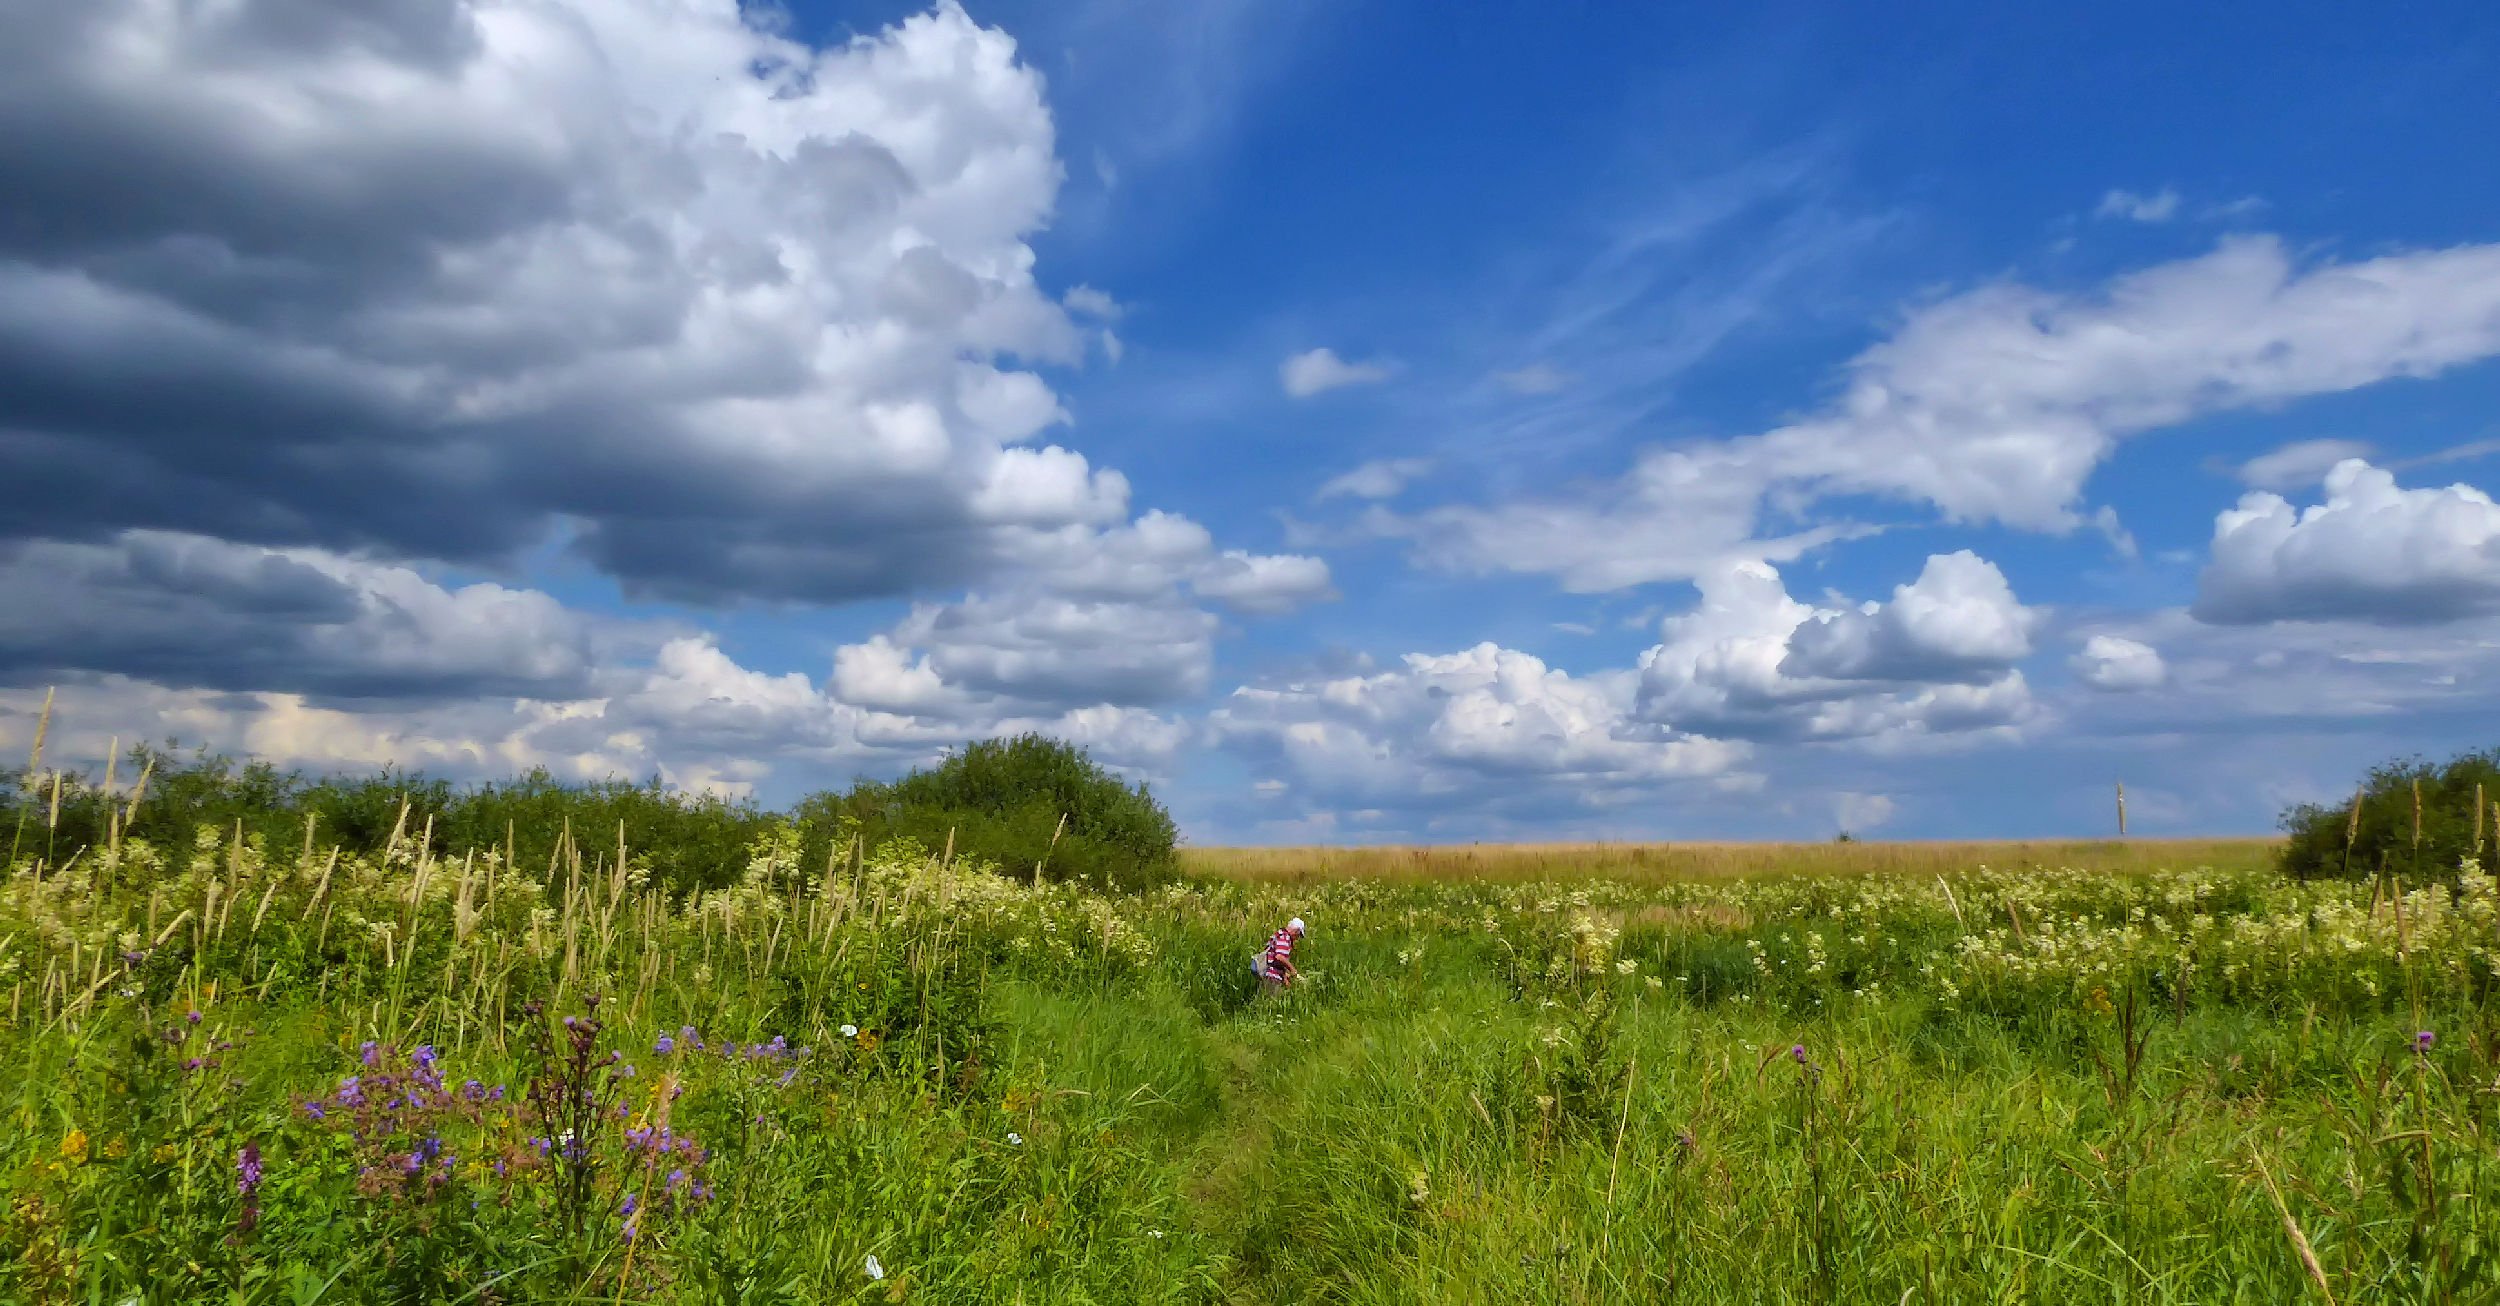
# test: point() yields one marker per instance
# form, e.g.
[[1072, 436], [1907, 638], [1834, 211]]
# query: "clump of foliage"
[[1016, 803], [1031, 804], [2385, 827]]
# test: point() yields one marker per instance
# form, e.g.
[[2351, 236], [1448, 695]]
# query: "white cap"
[[1294, 925]]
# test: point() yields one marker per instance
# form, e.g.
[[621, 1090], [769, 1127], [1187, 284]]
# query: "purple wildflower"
[[2422, 1041], [631, 1202], [191, 1017], [665, 1046], [1799, 1053], [371, 1052], [247, 1170]]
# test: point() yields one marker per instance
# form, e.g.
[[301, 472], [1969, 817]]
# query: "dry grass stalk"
[[2300, 1241], [263, 909], [43, 726], [138, 791]]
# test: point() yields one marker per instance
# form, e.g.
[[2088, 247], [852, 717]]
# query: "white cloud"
[[2121, 540], [2114, 662], [1494, 735], [1487, 721], [1534, 379], [1750, 662], [1090, 618], [2298, 465], [1092, 303], [2370, 552], [1264, 584], [690, 714], [1319, 370], [1995, 407], [1855, 811], [1959, 619], [1382, 478], [2159, 207]]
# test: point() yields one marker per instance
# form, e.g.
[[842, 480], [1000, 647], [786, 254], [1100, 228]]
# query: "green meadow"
[[242, 1068]]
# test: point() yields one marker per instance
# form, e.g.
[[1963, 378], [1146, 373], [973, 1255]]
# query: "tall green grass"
[[2030, 1083]]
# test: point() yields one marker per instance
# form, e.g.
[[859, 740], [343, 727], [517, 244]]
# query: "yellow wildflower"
[[74, 1146]]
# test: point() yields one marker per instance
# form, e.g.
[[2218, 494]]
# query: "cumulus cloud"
[[1958, 620], [1382, 478], [750, 318], [301, 312], [1089, 618], [2371, 552], [1497, 731], [1485, 721], [1319, 370], [1751, 662], [2161, 206], [687, 712], [1263, 583], [2298, 465], [2116, 663], [1995, 406]]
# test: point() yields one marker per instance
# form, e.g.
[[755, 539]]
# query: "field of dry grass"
[[1659, 862]]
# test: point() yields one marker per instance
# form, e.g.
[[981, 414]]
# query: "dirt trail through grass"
[[1266, 1053]]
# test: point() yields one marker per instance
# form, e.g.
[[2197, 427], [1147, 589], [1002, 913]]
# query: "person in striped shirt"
[[1275, 964]]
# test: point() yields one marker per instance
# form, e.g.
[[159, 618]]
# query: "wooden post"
[[2122, 809]]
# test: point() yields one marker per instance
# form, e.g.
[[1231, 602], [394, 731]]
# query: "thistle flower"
[[2422, 1041], [1798, 1053], [247, 1170]]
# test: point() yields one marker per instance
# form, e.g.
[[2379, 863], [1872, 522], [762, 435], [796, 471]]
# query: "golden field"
[[1652, 863]]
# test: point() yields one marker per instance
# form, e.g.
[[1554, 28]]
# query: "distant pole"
[[2122, 809]]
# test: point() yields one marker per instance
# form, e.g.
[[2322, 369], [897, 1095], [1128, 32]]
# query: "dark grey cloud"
[[740, 315], [212, 615]]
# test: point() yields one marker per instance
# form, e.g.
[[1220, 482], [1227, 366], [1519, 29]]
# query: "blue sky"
[[1568, 422]]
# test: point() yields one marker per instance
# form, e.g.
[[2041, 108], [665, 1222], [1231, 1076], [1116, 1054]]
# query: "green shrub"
[[1004, 800], [2333, 841]]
